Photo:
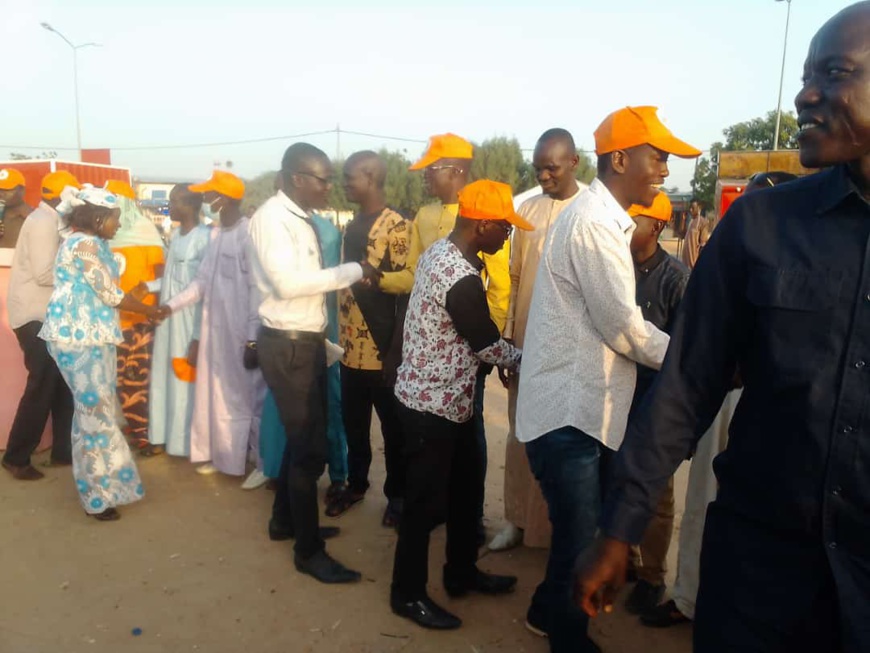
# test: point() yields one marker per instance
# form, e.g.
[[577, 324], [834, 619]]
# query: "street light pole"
[[781, 76], [75, 51]]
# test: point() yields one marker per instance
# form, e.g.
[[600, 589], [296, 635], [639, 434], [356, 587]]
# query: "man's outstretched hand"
[[599, 574]]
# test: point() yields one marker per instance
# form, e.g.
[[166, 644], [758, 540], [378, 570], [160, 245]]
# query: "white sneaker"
[[508, 538], [255, 479], [206, 469]]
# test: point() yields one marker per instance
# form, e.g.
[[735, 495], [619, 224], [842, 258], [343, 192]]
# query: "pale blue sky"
[[185, 71]]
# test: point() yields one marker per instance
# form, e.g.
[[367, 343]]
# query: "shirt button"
[[832, 545], [867, 297], [836, 491], [859, 365], [847, 429]]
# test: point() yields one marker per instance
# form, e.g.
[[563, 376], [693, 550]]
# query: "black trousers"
[[442, 484], [362, 390], [764, 591], [295, 371], [45, 393]]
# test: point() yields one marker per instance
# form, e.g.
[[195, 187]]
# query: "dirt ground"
[[192, 567]]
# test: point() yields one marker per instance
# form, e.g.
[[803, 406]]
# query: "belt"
[[310, 336]]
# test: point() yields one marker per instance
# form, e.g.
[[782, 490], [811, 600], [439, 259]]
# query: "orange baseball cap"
[[660, 209], [633, 126], [11, 178], [223, 183], [490, 200], [444, 146], [184, 370], [122, 188], [54, 182]]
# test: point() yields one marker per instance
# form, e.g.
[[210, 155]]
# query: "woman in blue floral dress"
[[82, 331]]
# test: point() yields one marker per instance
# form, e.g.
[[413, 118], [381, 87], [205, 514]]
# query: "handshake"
[[371, 275]]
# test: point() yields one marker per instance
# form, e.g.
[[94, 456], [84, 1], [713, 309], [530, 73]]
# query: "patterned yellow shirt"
[[388, 239]]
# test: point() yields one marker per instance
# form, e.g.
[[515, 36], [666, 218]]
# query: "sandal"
[[109, 514], [342, 502], [151, 450]]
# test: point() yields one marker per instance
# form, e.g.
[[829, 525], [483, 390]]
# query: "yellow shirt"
[[434, 222]]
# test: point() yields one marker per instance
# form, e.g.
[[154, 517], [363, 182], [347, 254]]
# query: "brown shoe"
[[23, 473]]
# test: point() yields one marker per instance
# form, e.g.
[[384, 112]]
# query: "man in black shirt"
[[661, 282], [783, 292]]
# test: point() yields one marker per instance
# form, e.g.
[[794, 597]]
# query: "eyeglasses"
[[508, 229], [439, 168], [326, 181]]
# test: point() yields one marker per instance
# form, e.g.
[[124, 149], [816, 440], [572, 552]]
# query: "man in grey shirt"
[[30, 286]]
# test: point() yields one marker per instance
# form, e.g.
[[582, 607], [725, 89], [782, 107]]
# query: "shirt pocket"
[[793, 289], [793, 307]]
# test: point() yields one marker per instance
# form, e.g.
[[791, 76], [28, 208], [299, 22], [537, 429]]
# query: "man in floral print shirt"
[[448, 334]]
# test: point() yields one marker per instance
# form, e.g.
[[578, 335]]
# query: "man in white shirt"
[[585, 334], [30, 285], [291, 346]]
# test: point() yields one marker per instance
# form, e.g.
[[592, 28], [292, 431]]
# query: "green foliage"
[[756, 134], [500, 159], [258, 190]]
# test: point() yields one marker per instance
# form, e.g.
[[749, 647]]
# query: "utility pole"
[[781, 76]]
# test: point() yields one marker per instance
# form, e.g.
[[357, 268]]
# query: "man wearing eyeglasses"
[[449, 333], [291, 345], [446, 166]]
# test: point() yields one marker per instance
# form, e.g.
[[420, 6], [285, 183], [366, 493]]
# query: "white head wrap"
[[71, 197]]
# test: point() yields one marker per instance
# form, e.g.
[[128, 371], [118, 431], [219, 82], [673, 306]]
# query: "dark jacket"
[[661, 282]]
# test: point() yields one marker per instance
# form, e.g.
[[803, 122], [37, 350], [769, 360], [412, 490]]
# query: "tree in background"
[[750, 135], [258, 190]]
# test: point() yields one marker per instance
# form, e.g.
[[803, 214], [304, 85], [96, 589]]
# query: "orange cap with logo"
[[660, 209], [223, 183], [633, 126], [122, 188], [11, 178], [444, 146], [490, 200], [54, 182]]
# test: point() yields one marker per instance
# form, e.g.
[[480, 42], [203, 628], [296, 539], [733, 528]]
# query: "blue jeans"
[[480, 430], [566, 464]]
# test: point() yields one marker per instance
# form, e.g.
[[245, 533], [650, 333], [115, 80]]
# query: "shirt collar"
[[653, 261], [475, 260], [836, 188], [618, 213], [291, 206]]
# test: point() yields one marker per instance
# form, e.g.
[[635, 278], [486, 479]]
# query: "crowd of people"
[[267, 343]]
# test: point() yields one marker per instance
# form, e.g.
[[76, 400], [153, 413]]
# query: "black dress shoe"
[[280, 533], [644, 597], [480, 582], [325, 569], [426, 613]]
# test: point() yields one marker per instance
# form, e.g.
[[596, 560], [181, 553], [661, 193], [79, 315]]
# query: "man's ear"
[[619, 161]]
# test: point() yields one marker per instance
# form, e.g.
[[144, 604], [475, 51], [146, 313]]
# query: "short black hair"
[[299, 153], [193, 200], [558, 134]]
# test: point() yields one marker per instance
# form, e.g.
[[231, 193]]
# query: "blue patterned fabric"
[[103, 466], [81, 311]]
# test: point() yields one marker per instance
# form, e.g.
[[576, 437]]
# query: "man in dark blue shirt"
[[661, 282], [783, 292]]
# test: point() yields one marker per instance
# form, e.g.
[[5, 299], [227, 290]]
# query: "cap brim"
[[200, 188], [520, 222], [424, 162], [184, 371], [675, 146]]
